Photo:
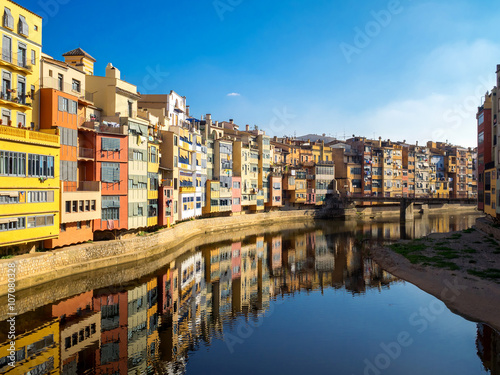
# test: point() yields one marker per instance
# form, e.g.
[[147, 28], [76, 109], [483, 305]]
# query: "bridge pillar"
[[406, 210]]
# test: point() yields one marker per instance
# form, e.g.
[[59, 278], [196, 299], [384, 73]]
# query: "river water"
[[301, 300]]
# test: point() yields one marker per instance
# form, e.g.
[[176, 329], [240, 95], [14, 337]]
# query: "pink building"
[[236, 194]]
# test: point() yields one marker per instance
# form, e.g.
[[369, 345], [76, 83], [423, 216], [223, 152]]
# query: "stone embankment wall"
[[486, 225], [38, 268], [394, 210]]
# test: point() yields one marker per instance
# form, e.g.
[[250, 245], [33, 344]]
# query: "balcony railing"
[[113, 129], [87, 186], [72, 89], [11, 97], [87, 153], [18, 60]]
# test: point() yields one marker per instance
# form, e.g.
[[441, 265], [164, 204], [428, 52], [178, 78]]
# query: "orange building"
[[65, 102]]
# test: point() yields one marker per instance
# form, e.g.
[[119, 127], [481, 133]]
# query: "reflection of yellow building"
[[37, 351], [29, 186]]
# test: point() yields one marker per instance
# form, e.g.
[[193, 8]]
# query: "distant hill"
[[316, 137]]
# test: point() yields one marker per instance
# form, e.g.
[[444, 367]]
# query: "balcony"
[[187, 189], [112, 128], [24, 135], [9, 99], [86, 153], [17, 62], [80, 201], [72, 89]]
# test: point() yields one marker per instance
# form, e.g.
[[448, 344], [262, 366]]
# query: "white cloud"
[[233, 94]]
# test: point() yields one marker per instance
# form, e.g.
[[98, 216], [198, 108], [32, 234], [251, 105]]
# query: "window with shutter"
[[23, 26], [61, 103], [110, 144], [8, 19]]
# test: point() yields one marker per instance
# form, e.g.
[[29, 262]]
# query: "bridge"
[[406, 203]]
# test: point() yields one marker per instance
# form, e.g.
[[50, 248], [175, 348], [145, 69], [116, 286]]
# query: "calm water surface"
[[292, 302]]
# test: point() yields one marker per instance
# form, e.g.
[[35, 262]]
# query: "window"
[[153, 158], [92, 205], [63, 104], [153, 181], [60, 82], [78, 225], [12, 163], [152, 207], [110, 144], [87, 223], [110, 172], [480, 138], [87, 205], [40, 196], [68, 207], [80, 206], [40, 221], [236, 201], [110, 213], [62, 227], [74, 206], [13, 223], [76, 85], [236, 185], [73, 107], [8, 19], [130, 109], [33, 57], [10, 197], [40, 166], [23, 26], [21, 120], [21, 55]]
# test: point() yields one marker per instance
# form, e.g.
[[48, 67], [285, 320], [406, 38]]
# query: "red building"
[[65, 105], [485, 146]]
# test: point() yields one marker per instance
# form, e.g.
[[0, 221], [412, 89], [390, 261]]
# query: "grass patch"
[[7, 256], [470, 230], [469, 251], [443, 248], [490, 273], [454, 236]]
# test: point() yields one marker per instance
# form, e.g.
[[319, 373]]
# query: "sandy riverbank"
[[462, 269]]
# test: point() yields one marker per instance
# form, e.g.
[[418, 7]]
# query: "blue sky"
[[417, 74]]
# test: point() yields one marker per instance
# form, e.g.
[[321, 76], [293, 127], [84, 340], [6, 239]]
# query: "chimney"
[[247, 128], [187, 111], [379, 141], [112, 72], [217, 123], [231, 121], [209, 119], [416, 143]]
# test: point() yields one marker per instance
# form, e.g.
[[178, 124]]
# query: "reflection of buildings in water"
[[112, 356], [137, 328], [37, 351], [488, 348], [80, 332], [154, 323]]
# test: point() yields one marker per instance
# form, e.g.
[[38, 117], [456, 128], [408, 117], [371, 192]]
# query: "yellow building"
[[29, 186], [490, 181], [20, 64]]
